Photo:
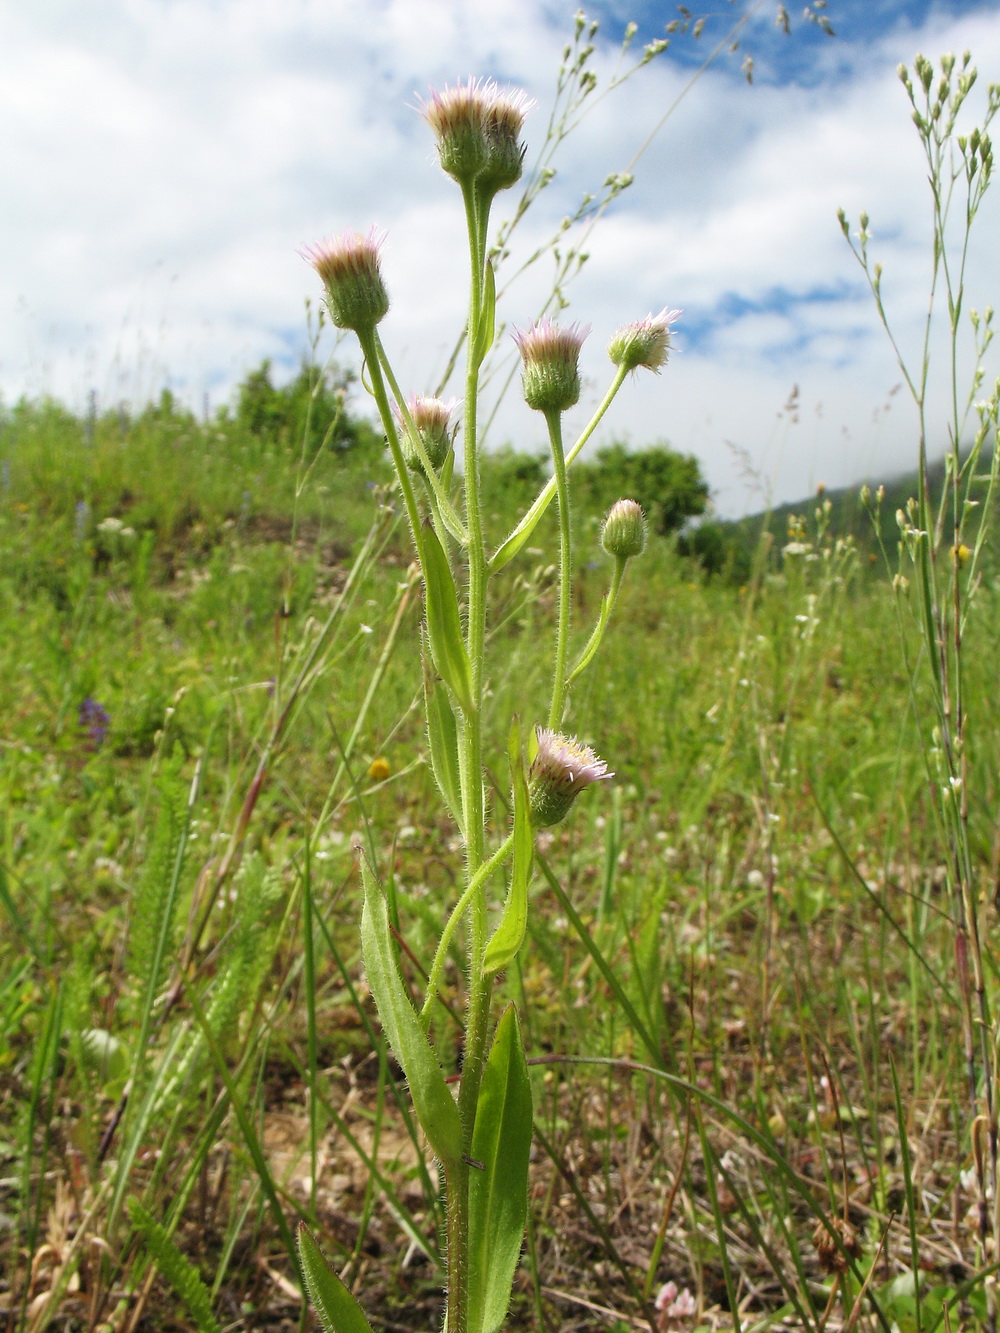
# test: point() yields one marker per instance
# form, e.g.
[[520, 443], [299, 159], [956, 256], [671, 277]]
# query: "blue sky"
[[166, 159]]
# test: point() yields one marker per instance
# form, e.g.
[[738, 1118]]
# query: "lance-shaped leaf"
[[498, 1194], [338, 1311], [442, 733], [433, 1103], [444, 627], [487, 316], [509, 934]]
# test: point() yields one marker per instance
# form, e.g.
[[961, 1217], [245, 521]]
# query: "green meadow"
[[741, 998]]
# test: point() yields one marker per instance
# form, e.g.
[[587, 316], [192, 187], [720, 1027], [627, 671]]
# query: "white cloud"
[[170, 156]]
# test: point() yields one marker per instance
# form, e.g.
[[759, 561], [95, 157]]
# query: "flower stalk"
[[477, 128]]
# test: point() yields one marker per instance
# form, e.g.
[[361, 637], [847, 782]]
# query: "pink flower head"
[[644, 343], [551, 357], [349, 267], [561, 769], [431, 419], [674, 1306], [477, 127]]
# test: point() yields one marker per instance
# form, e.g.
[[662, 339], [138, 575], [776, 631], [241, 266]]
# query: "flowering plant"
[[482, 1138]]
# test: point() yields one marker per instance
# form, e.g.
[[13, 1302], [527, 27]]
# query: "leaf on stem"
[[433, 1103], [498, 1194], [486, 331], [338, 1311], [442, 734], [444, 627], [509, 934]]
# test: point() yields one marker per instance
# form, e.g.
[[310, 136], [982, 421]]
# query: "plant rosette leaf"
[[433, 1103], [338, 1311], [498, 1194]]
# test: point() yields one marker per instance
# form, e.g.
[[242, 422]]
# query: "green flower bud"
[[477, 129], [505, 158], [430, 417], [645, 343], [624, 531], [562, 768], [551, 372], [349, 267]]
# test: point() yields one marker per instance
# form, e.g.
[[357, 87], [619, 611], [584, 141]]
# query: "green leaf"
[[509, 934], [433, 1103], [444, 627], [338, 1311], [179, 1271], [487, 315], [498, 1194], [442, 733]]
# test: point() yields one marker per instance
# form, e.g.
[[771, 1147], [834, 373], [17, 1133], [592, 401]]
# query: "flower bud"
[[624, 531], [505, 157], [477, 128], [645, 343], [349, 267], [551, 372], [430, 417], [560, 771]]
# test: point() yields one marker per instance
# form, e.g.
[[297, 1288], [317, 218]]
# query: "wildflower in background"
[[960, 553], [477, 127], [81, 520], [645, 343], [551, 357], [379, 769], [834, 1258], [431, 417], [94, 722], [349, 267], [674, 1306], [561, 769], [624, 531]]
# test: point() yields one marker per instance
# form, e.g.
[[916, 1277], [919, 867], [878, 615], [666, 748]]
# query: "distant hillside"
[[727, 547]]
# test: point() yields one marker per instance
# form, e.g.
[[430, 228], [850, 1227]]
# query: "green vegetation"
[[759, 997], [767, 901]]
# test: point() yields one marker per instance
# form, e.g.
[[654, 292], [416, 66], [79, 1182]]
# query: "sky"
[[165, 161]]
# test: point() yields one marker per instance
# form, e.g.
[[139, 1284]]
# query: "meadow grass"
[[757, 993], [763, 922]]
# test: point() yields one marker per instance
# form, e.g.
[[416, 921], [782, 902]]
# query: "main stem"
[[473, 802], [553, 420]]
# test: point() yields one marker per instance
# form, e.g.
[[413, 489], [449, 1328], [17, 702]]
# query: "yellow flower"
[[379, 770], [960, 553]]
